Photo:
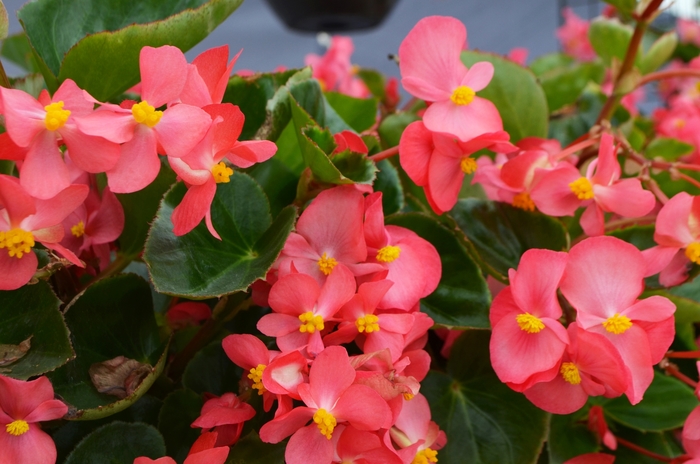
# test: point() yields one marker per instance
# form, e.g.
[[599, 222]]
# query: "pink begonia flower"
[[225, 416], [377, 371], [573, 36], [527, 337], [415, 434], [329, 232], [591, 366], [518, 55], [203, 451], [39, 126], [187, 314], [142, 129], [347, 140], [438, 162], [561, 191], [26, 220], [681, 121], [22, 406], [330, 399], [302, 308], [597, 425], [413, 263], [431, 69], [688, 31], [334, 71], [207, 77], [691, 435], [357, 447], [603, 279], [592, 458]]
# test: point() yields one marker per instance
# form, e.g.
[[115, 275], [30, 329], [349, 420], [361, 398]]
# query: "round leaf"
[[180, 409], [120, 442]]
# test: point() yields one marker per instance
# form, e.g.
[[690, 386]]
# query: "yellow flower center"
[[679, 123], [462, 95], [310, 323], [326, 264], [146, 114], [692, 251], [570, 373], [617, 324], [56, 116], [17, 428], [368, 323], [408, 396], [529, 323], [255, 375], [325, 422], [523, 201], [582, 188], [221, 173], [468, 165], [388, 254], [78, 230], [425, 456], [17, 241]]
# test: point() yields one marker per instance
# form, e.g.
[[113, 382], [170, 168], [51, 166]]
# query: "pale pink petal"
[[464, 121], [163, 74], [285, 373], [44, 157], [77, 100], [535, 283], [138, 164], [24, 116], [478, 76], [592, 220], [116, 126], [626, 198], [54, 210], [193, 207], [308, 446], [330, 375], [89, 153], [672, 228], [277, 325], [181, 128], [657, 258], [653, 309]]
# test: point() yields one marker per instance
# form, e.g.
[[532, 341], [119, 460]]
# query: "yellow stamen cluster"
[[462, 95], [523, 201], [617, 324], [425, 456], [310, 323], [145, 114], [582, 188], [221, 173], [325, 422], [679, 123], [692, 251], [326, 264], [17, 428], [255, 375], [388, 254], [56, 116], [408, 396], [17, 241], [78, 230], [570, 373], [468, 165], [529, 323], [368, 323]]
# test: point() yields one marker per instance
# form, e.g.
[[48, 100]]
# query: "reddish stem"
[[683, 354], [385, 154], [672, 370], [640, 450], [659, 75], [688, 179]]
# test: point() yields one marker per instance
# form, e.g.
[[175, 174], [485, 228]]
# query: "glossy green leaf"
[[610, 38], [113, 317], [4, 21], [374, 80], [659, 52], [308, 95], [359, 113], [249, 245], [462, 298], [517, 95], [640, 236], [667, 148], [180, 409], [33, 311], [211, 371], [569, 437], [389, 183], [97, 43], [501, 233], [120, 442], [277, 180], [251, 450], [563, 79], [485, 421], [392, 127], [16, 49]]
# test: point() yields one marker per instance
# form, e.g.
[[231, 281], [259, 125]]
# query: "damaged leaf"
[[119, 376], [11, 353]]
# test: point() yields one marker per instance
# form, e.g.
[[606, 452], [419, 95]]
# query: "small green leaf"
[[569, 127], [16, 49], [4, 21], [251, 450], [625, 6], [33, 311], [640, 236], [563, 79], [569, 437], [359, 113], [389, 183], [249, 245], [392, 127], [375, 82], [180, 409], [120, 443], [667, 148], [610, 39], [517, 95], [659, 52]]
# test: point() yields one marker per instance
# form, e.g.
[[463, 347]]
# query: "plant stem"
[[640, 450], [625, 222], [115, 267], [672, 369], [660, 75], [4, 81], [388, 153], [683, 354]]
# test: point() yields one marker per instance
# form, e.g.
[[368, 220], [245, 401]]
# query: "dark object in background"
[[332, 15]]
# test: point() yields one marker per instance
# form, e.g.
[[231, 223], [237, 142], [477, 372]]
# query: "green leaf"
[[180, 409], [569, 127], [625, 6], [375, 82], [655, 413], [659, 53], [517, 95], [16, 49], [33, 311], [667, 148], [113, 317], [563, 79], [664, 444], [4, 21], [462, 298], [389, 183], [308, 94], [569, 437], [640, 236], [501, 233], [610, 39], [97, 43], [485, 421], [251, 450], [277, 180], [211, 371], [359, 113], [249, 245], [120, 442], [392, 127]]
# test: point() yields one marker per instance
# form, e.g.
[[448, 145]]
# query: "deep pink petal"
[[77, 100], [608, 169], [9, 150], [277, 325], [138, 164], [308, 446], [210, 456], [330, 375], [19, 398], [193, 207], [592, 220], [557, 396], [691, 433], [44, 157], [657, 258], [415, 149], [16, 201], [592, 458], [596, 356], [363, 407], [339, 288], [503, 305], [660, 335], [672, 228], [114, 125], [163, 460], [24, 116], [89, 153], [246, 351], [464, 121], [46, 411], [245, 154], [626, 198], [653, 309], [283, 426], [552, 194], [445, 179], [163, 74], [16, 272], [294, 294], [677, 270], [213, 68], [33, 447], [285, 373], [535, 283], [107, 223]]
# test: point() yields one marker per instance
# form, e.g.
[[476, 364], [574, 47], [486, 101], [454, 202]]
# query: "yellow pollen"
[[570, 373], [56, 116], [408, 396], [462, 95], [78, 230], [679, 123], [468, 165], [256, 376], [697, 86], [310, 323], [221, 173], [388, 254], [692, 251], [325, 422], [582, 188], [523, 201], [425, 456], [17, 241], [529, 323], [368, 323], [146, 114], [17, 428], [326, 264], [617, 324]]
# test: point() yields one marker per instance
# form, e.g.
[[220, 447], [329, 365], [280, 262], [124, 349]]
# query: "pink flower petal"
[[44, 157], [294, 294], [626, 198], [163, 74], [445, 179], [181, 128], [552, 194], [283, 426], [138, 164], [193, 207], [535, 283], [557, 396], [16, 272], [107, 223], [53, 211], [592, 220], [672, 222], [245, 154], [362, 407], [478, 76], [246, 351], [308, 446], [330, 375], [16, 201], [464, 121], [89, 153], [32, 447], [415, 149], [24, 116]]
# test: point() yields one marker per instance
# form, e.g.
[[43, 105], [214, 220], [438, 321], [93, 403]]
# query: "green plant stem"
[[4, 81], [640, 450], [115, 267]]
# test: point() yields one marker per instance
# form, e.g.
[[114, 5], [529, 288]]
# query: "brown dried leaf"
[[11, 353], [119, 377]]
